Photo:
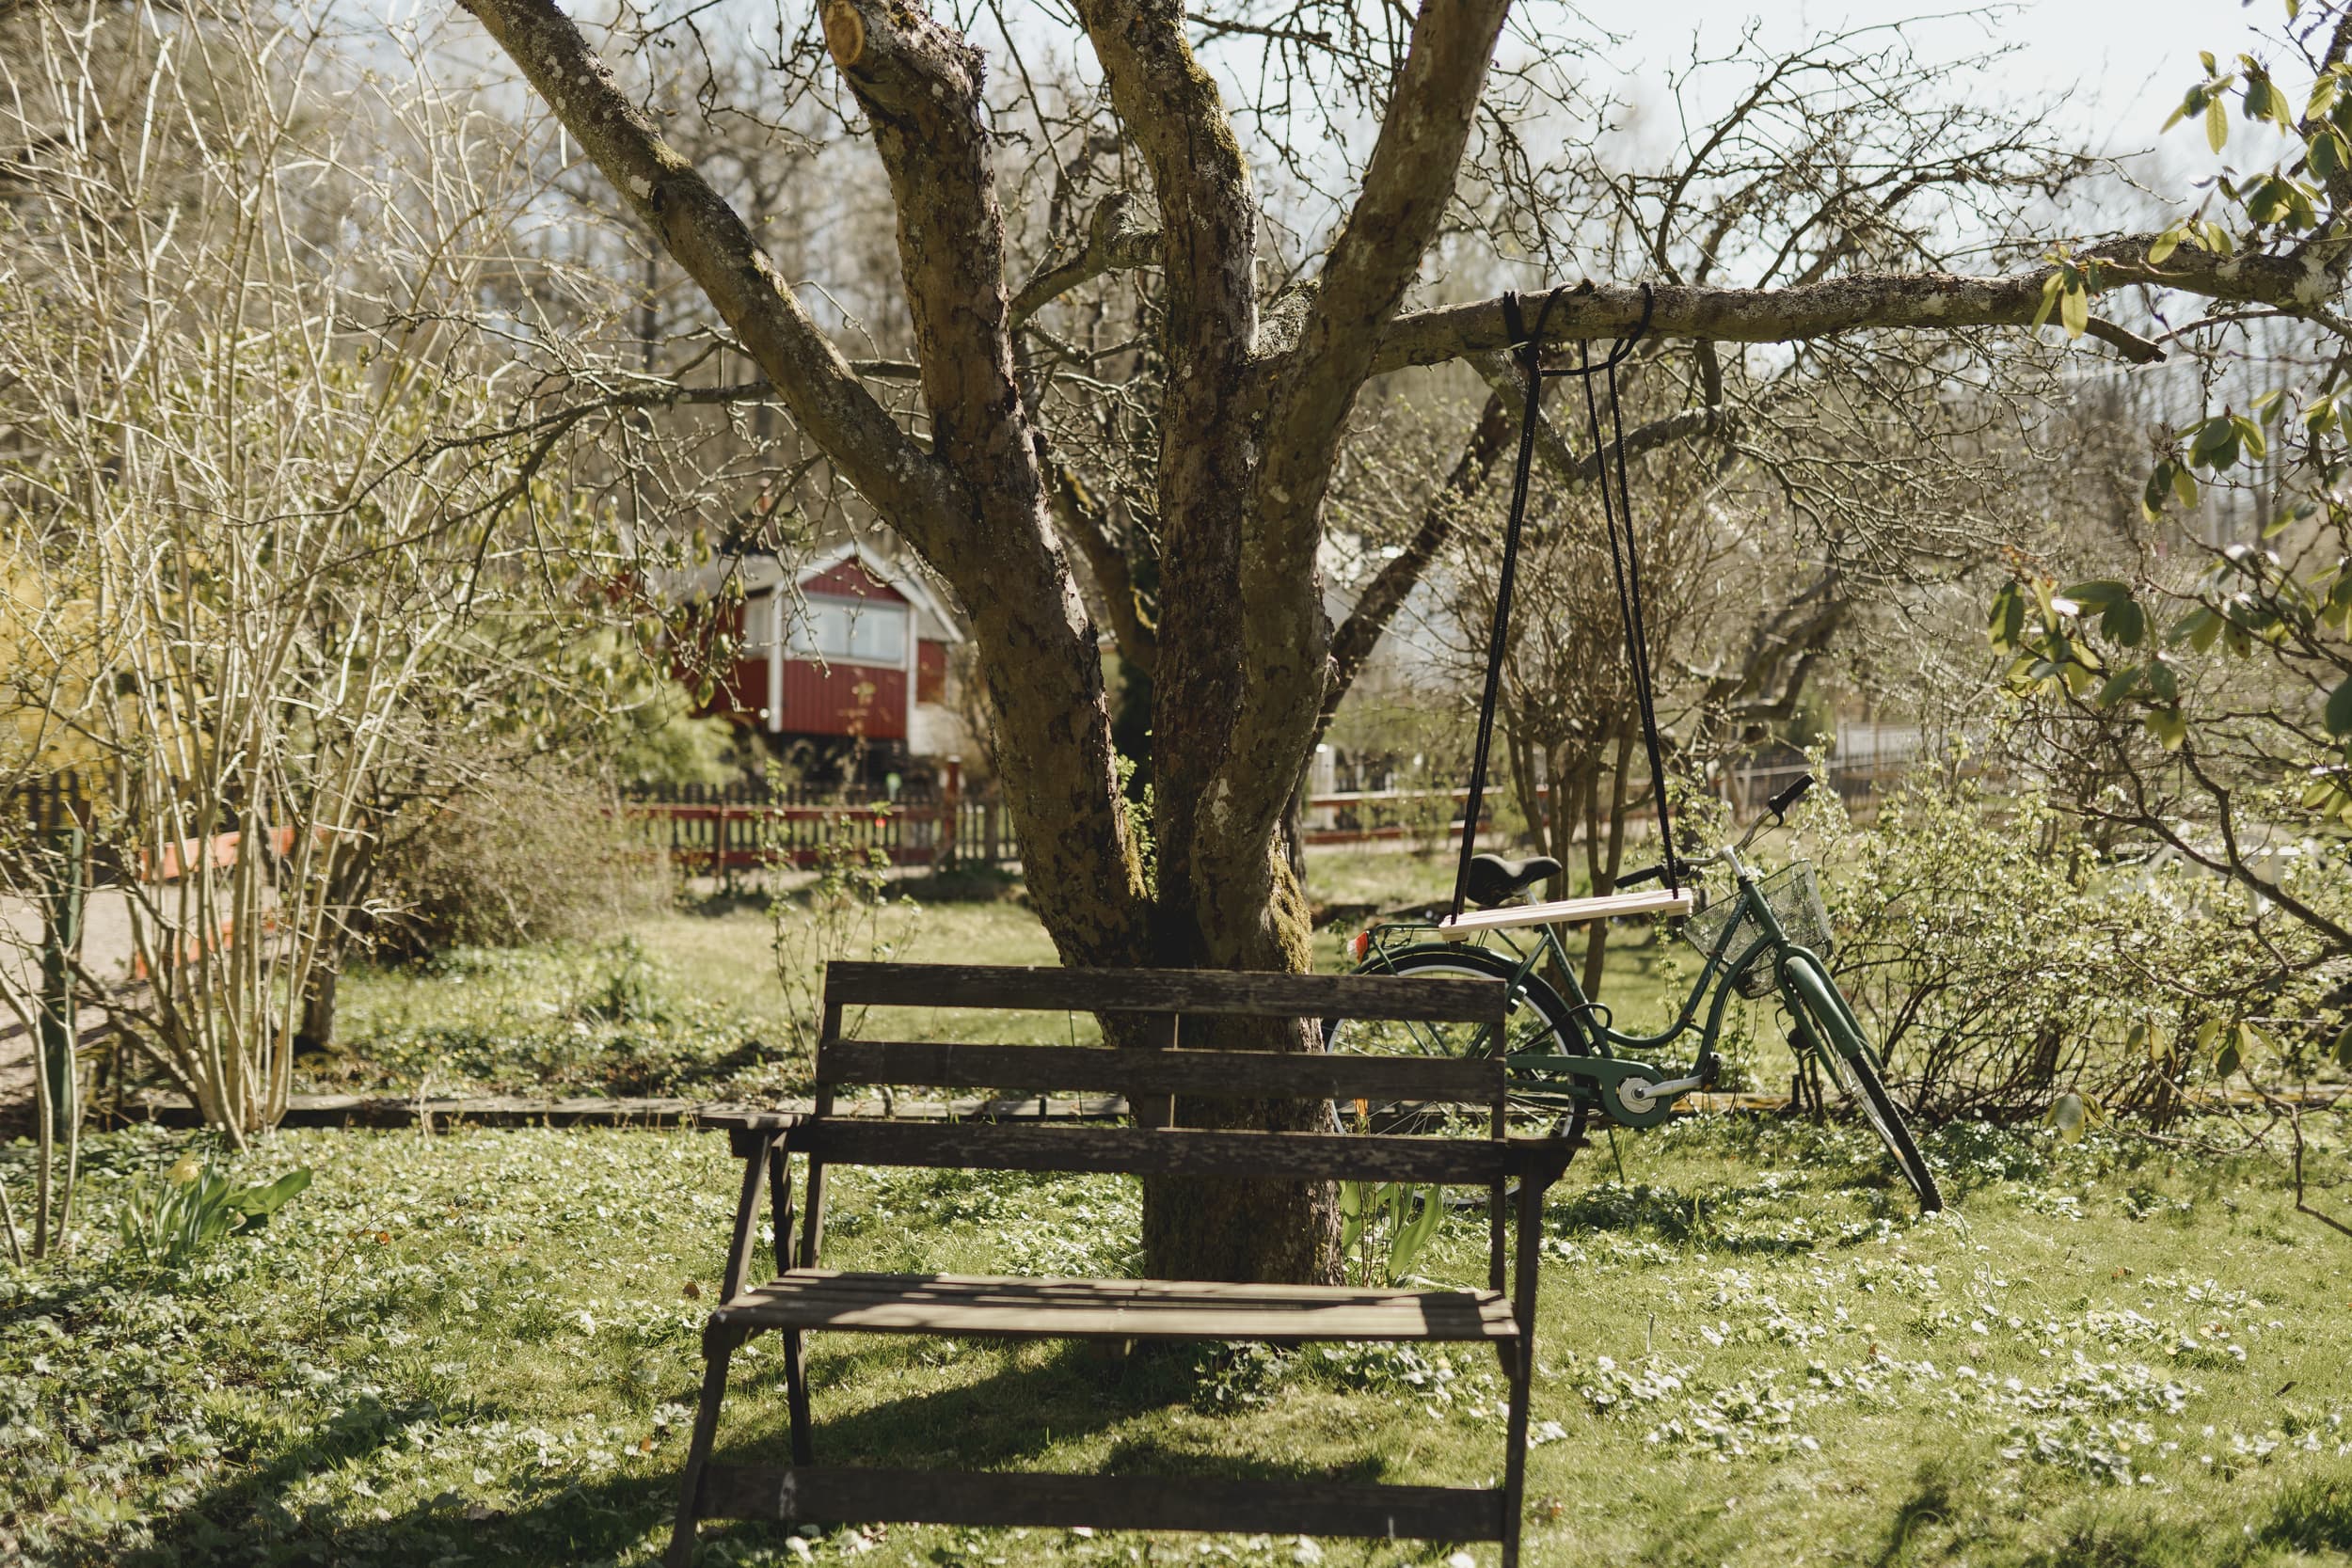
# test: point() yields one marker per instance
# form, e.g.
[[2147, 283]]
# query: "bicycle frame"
[[1631, 1090]]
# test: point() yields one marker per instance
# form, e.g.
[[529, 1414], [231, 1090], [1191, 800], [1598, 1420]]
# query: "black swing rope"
[[1624, 559]]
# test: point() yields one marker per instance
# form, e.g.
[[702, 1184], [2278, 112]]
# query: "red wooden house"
[[845, 647]]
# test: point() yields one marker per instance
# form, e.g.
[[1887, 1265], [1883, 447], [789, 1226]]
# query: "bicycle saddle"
[[1492, 879]]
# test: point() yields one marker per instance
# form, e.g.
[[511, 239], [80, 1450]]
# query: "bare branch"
[[1499, 374], [1111, 246], [1378, 605], [712, 242]]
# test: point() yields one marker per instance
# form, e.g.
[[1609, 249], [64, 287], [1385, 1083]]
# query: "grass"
[[480, 1348], [687, 1004]]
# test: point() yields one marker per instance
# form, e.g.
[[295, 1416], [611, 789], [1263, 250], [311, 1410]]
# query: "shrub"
[[845, 912], [542, 858], [2001, 962]]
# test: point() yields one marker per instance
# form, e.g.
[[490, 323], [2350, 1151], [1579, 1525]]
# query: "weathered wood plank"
[[384, 1111], [1175, 1151], [1166, 991], [992, 1306], [828, 1493], [1233, 1074]]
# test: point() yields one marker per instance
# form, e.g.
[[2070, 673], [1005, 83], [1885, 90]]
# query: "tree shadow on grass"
[[573, 1521], [243, 1520], [1720, 1220], [2314, 1516], [1009, 1415], [1929, 1504]]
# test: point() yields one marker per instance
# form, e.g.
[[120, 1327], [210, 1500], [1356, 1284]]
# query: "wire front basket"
[[1796, 903]]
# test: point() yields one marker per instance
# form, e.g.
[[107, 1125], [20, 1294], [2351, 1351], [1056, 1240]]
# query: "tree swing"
[[1769, 936], [1489, 880]]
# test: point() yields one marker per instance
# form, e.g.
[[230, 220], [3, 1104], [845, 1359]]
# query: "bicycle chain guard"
[[1629, 1091]]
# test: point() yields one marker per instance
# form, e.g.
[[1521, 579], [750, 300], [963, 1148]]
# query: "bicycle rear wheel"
[[1826, 1027], [1540, 1020]]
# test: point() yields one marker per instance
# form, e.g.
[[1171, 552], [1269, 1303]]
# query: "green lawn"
[[479, 1347], [687, 1004]]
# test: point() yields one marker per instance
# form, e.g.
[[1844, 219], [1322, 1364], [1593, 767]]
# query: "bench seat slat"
[[1165, 990], [1175, 1151], [1233, 1074], [1021, 1308], [826, 1493]]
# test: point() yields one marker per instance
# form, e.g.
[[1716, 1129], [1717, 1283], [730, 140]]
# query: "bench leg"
[[716, 1358], [1515, 1462], [796, 1397], [1526, 1265]]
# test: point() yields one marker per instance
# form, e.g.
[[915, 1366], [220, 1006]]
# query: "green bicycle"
[[1566, 1056]]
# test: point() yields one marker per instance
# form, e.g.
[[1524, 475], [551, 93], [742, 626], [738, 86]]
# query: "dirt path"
[[106, 948]]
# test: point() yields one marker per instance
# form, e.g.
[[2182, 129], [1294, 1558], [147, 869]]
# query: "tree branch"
[[1803, 629], [710, 241], [1502, 375], [1111, 246], [1406, 186], [921, 85], [1925, 300], [1208, 254], [1086, 524], [1208, 208], [1376, 606]]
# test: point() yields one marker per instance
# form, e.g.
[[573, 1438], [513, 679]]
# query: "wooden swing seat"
[[1566, 911]]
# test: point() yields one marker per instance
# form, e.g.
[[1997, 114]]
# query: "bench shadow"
[[1156, 1456], [1048, 1393], [1005, 1419]]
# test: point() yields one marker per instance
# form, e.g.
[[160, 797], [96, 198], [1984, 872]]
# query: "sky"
[[2118, 68]]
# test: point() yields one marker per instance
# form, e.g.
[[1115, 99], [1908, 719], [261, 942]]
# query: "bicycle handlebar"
[[1687, 871], [1778, 805]]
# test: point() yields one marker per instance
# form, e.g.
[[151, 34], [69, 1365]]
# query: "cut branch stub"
[[845, 34]]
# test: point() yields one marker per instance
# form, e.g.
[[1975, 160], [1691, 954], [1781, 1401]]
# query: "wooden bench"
[[807, 1297]]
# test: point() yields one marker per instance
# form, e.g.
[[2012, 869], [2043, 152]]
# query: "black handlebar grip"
[[1649, 874], [1778, 805]]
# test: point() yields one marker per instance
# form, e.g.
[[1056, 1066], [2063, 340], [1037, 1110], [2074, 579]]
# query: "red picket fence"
[[718, 830]]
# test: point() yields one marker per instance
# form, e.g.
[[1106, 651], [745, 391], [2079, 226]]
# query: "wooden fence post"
[[950, 804]]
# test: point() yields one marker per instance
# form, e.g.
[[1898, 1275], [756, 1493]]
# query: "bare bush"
[[546, 856]]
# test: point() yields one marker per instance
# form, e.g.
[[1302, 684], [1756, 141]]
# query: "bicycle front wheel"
[[1540, 1020], [1825, 1025]]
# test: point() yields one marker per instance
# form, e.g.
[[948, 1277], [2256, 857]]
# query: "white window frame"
[[827, 627]]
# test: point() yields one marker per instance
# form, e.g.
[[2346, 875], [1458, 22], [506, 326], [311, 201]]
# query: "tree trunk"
[[1208, 1228], [317, 1032]]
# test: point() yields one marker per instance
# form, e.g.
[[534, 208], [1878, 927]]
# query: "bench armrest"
[[747, 1129]]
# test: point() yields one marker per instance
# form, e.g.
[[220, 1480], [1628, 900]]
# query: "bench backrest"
[[1151, 1077]]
